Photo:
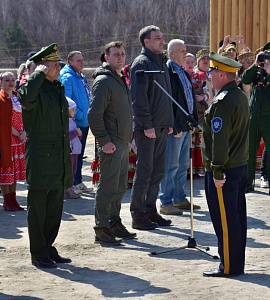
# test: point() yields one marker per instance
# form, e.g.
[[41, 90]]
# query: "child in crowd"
[[12, 142], [75, 146], [202, 96]]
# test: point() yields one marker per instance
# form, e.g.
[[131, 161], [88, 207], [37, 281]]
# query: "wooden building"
[[251, 18]]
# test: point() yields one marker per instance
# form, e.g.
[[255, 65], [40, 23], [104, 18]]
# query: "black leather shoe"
[[218, 273], [44, 263], [59, 259]]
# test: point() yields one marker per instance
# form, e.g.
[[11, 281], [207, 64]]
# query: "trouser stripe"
[[225, 231]]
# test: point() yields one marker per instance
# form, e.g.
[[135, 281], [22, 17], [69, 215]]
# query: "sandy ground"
[[130, 271]]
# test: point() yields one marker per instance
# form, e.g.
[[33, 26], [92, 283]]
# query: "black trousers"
[[44, 218], [232, 259], [151, 159]]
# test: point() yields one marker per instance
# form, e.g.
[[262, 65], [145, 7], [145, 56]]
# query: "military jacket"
[[225, 131], [46, 121], [259, 101]]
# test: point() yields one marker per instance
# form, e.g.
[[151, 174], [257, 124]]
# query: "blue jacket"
[[75, 90]]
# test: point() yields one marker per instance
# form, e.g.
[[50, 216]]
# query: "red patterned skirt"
[[17, 170]]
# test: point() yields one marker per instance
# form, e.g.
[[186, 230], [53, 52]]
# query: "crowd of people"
[[139, 132]]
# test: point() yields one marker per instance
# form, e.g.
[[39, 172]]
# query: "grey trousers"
[[112, 186]]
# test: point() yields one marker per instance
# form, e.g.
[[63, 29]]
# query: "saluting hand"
[[44, 67]]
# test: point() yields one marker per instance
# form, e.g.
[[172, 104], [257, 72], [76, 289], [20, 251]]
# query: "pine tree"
[[17, 44]]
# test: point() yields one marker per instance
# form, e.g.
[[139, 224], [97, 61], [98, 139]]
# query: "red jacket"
[[5, 129]]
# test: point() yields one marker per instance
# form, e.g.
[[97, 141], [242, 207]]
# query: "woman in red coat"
[[12, 139]]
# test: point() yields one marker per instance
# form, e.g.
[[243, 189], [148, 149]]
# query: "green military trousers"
[[112, 186], [44, 218], [254, 140]]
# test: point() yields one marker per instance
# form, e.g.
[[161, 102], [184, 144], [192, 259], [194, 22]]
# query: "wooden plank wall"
[[251, 18]]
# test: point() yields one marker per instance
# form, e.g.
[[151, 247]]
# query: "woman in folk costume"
[[12, 142], [202, 96]]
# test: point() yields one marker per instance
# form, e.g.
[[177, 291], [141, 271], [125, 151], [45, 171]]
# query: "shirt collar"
[[176, 65]]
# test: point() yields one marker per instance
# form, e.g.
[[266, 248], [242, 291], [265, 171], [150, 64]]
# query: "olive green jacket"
[[110, 112], [250, 76], [46, 121], [225, 131]]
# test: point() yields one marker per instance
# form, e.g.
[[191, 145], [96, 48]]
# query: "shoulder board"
[[220, 96]]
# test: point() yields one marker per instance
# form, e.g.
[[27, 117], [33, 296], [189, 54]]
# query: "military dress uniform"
[[225, 153], [47, 155]]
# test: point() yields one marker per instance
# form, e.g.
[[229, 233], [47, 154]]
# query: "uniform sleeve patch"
[[216, 124]]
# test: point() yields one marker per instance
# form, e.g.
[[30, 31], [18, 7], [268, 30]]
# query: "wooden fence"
[[251, 18]]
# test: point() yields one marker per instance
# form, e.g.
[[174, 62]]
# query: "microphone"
[[142, 73]]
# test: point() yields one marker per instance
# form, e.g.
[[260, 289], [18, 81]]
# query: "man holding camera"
[[225, 154], [259, 103]]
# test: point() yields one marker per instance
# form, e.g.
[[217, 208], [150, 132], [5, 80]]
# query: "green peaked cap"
[[49, 53]]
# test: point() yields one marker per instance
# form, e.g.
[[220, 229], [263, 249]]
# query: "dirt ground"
[[130, 271]]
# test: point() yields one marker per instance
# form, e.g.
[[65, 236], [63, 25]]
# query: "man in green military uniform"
[[47, 155], [259, 75], [225, 154]]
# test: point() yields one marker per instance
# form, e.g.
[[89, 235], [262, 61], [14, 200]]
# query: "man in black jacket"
[[153, 120], [172, 188]]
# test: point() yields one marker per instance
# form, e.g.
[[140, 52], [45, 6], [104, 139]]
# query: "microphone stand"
[[191, 240]]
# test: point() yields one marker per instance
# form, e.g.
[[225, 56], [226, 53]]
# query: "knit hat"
[[71, 103]]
